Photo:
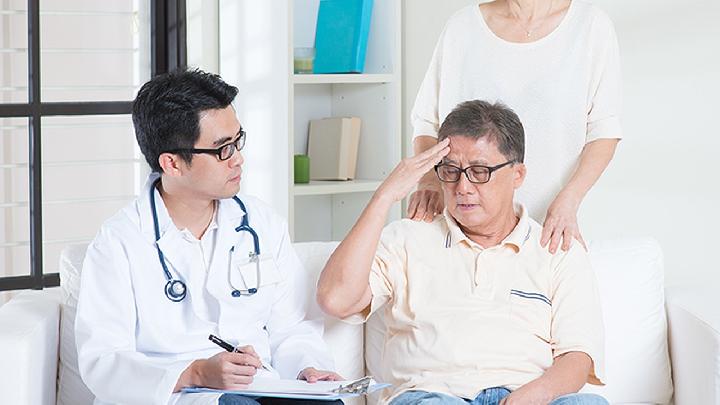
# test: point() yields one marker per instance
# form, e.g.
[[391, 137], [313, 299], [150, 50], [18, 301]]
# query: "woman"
[[556, 63]]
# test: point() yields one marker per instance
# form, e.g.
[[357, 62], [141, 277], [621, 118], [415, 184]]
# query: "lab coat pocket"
[[253, 288], [531, 311], [251, 275]]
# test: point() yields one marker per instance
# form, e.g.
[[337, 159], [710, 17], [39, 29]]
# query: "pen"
[[227, 346]]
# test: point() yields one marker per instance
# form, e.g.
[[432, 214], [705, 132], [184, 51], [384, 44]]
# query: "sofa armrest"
[[29, 330], [694, 336]]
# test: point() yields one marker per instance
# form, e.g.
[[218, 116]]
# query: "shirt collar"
[[227, 212], [212, 226], [521, 233], [515, 239]]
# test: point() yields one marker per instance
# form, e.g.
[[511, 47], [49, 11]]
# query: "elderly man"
[[476, 310]]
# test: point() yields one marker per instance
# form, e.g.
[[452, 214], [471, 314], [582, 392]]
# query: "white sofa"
[[37, 354]]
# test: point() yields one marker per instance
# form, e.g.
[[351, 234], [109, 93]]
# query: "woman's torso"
[[549, 83]]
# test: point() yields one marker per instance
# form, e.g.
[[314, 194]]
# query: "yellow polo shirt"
[[461, 318]]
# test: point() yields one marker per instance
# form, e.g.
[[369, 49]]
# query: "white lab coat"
[[133, 343]]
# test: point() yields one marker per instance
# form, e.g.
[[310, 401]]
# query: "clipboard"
[[296, 389]]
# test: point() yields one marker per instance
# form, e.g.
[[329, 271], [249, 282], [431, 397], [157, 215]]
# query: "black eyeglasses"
[[478, 174], [224, 152]]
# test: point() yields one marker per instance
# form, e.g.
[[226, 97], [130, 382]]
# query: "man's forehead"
[[218, 126], [472, 149]]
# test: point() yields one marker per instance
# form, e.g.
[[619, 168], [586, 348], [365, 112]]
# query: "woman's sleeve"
[[424, 116], [606, 99]]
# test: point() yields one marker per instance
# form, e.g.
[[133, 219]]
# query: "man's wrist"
[[301, 373], [194, 377], [189, 377], [381, 201], [541, 390]]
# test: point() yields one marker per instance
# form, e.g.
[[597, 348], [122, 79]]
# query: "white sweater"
[[564, 87]]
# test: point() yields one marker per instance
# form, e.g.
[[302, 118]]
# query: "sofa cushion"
[[345, 340], [28, 348], [694, 323], [630, 277]]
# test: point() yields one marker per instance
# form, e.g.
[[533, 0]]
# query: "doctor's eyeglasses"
[[478, 174], [224, 152]]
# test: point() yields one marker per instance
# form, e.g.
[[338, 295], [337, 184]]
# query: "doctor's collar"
[[227, 212]]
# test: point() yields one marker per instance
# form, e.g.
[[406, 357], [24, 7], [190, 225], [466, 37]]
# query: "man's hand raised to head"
[[409, 171], [427, 201], [343, 287]]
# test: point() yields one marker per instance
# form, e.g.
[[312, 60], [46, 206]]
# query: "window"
[[68, 158]]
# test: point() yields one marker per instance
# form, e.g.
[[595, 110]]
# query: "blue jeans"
[[490, 396], [231, 399]]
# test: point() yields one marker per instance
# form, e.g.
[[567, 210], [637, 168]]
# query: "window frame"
[[168, 47]]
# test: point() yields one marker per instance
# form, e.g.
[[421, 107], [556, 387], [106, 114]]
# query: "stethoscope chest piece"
[[175, 290]]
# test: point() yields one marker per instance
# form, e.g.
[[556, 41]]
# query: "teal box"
[[341, 36]]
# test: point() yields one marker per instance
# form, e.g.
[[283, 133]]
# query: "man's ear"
[[519, 172], [171, 164]]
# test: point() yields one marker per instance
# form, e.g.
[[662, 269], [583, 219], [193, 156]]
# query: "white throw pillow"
[[345, 340], [71, 389], [630, 277]]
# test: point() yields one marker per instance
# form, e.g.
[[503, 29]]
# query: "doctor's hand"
[[409, 171], [225, 370], [312, 375]]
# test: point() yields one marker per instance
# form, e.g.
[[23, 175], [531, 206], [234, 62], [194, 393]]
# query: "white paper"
[[272, 385]]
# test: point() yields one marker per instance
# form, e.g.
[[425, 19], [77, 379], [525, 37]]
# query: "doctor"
[[189, 258]]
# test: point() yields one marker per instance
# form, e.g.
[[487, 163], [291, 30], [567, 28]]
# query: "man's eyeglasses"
[[224, 152], [478, 174]]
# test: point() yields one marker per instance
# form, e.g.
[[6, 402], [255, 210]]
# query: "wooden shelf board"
[[322, 187], [343, 78]]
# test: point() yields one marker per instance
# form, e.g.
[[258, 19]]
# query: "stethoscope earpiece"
[[239, 293]]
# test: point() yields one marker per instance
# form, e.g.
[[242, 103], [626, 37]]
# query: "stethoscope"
[[176, 289]]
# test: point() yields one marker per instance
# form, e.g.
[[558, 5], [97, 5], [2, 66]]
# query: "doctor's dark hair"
[[478, 119], [166, 111]]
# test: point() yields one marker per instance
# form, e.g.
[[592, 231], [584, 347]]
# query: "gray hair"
[[477, 119]]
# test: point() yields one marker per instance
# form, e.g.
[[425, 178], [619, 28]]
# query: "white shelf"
[[327, 210], [318, 187], [348, 78]]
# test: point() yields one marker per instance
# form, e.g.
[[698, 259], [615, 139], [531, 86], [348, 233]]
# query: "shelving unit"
[[318, 187], [325, 210], [343, 79]]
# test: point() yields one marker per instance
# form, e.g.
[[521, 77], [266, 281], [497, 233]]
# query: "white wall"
[[203, 31], [663, 181], [254, 56], [241, 41]]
